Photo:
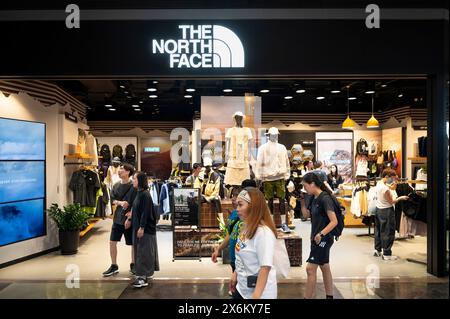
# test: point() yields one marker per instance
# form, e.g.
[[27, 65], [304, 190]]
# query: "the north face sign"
[[202, 46]]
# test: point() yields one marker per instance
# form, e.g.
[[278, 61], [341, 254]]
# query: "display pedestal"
[[293, 246]]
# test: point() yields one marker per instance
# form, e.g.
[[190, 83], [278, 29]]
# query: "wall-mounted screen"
[[22, 181]]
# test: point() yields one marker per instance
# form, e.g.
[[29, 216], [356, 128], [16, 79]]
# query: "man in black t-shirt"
[[122, 196]]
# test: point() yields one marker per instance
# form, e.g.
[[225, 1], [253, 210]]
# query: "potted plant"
[[70, 221], [226, 259]]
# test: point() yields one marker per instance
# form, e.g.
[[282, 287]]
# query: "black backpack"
[[105, 152], [130, 154], [339, 210], [117, 152], [362, 148]]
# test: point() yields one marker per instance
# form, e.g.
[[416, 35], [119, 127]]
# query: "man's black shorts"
[[118, 230], [320, 254]]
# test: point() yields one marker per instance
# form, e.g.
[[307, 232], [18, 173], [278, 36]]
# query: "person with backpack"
[[324, 220]]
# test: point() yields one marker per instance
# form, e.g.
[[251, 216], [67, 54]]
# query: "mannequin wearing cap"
[[237, 139], [273, 169], [112, 176], [211, 190]]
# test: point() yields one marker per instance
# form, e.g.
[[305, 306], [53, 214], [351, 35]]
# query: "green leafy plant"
[[70, 218], [223, 230]]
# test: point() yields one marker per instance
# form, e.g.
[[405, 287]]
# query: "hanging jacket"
[[272, 162], [164, 200]]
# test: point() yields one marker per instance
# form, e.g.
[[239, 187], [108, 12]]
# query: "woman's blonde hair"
[[258, 213]]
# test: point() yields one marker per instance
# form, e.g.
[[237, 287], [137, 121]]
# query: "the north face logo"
[[202, 46]]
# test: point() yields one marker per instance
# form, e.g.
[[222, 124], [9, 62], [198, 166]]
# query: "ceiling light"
[[348, 124], [190, 90], [320, 97], [137, 110], [152, 89], [108, 105], [188, 96], [300, 91], [264, 91], [128, 97], [335, 91], [228, 90], [155, 82], [400, 95], [352, 98], [372, 122], [383, 85], [122, 86], [126, 92], [112, 109], [370, 92], [288, 97], [141, 102], [153, 96], [135, 105]]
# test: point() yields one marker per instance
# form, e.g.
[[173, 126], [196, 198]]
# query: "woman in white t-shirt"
[[255, 275]]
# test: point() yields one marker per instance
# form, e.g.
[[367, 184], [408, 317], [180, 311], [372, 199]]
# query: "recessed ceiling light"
[[108, 105], [126, 92], [352, 98], [383, 85], [264, 91], [300, 91], [400, 95], [153, 96], [370, 92], [335, 91], [320, 97], [188, 96], [155, 82], [141, 102], [135, 105], [227, 90], [190, 90], [112, 109], [122, 86], [137, 110], [128, 97], [288, 97], [152, 89]]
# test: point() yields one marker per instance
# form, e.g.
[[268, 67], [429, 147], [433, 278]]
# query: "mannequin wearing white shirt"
[[273, 169]]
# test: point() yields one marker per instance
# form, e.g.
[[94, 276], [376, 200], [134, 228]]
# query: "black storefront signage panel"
[[275, 47]]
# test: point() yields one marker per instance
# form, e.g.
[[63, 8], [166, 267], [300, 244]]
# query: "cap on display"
[[239, 113], [116, 160], [273, 131]]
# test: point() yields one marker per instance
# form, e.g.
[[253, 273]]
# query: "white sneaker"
[[392, 257], [376, 253]]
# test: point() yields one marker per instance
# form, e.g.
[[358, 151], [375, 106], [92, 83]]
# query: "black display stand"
[[186, 217]]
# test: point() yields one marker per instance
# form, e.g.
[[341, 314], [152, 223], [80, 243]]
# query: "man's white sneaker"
[[390, 257], [377, 253]]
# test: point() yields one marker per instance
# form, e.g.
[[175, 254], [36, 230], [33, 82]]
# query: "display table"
[[349, 219], [293, 245]]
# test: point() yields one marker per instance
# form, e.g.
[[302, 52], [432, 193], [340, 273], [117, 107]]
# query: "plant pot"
[[226, 258], [69, 241]]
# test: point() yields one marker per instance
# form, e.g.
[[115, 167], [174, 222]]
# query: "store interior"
[[163, 126]]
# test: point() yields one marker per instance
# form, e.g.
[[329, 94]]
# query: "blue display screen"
[[20, 140], [22, 180], [21, 220]]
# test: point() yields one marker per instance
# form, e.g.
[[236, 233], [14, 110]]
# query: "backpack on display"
[[373, 150], [117, 152], [362, 148], [105, 152], [130, 154]]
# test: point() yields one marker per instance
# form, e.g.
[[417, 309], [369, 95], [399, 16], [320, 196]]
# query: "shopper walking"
[[122, 196], [255, 275], [385, 214], [144, 219], [323, 221]]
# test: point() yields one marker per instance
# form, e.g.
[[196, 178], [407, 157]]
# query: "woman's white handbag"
[[281, 259]]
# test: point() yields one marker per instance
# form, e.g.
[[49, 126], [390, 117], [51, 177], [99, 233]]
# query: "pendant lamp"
[[348, 124], [372, 122]]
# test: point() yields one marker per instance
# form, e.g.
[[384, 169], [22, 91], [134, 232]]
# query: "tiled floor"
[[218, 289]]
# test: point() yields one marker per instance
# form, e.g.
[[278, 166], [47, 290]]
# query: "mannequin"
[[237, 139], [273, 169]]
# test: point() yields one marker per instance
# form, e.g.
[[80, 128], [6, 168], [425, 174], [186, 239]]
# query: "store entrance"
[[351, 129]]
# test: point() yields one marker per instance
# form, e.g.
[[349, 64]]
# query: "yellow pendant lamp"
[[372, 122], [348, 124]]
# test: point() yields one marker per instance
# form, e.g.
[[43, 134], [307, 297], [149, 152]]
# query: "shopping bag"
[[281, 259]]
